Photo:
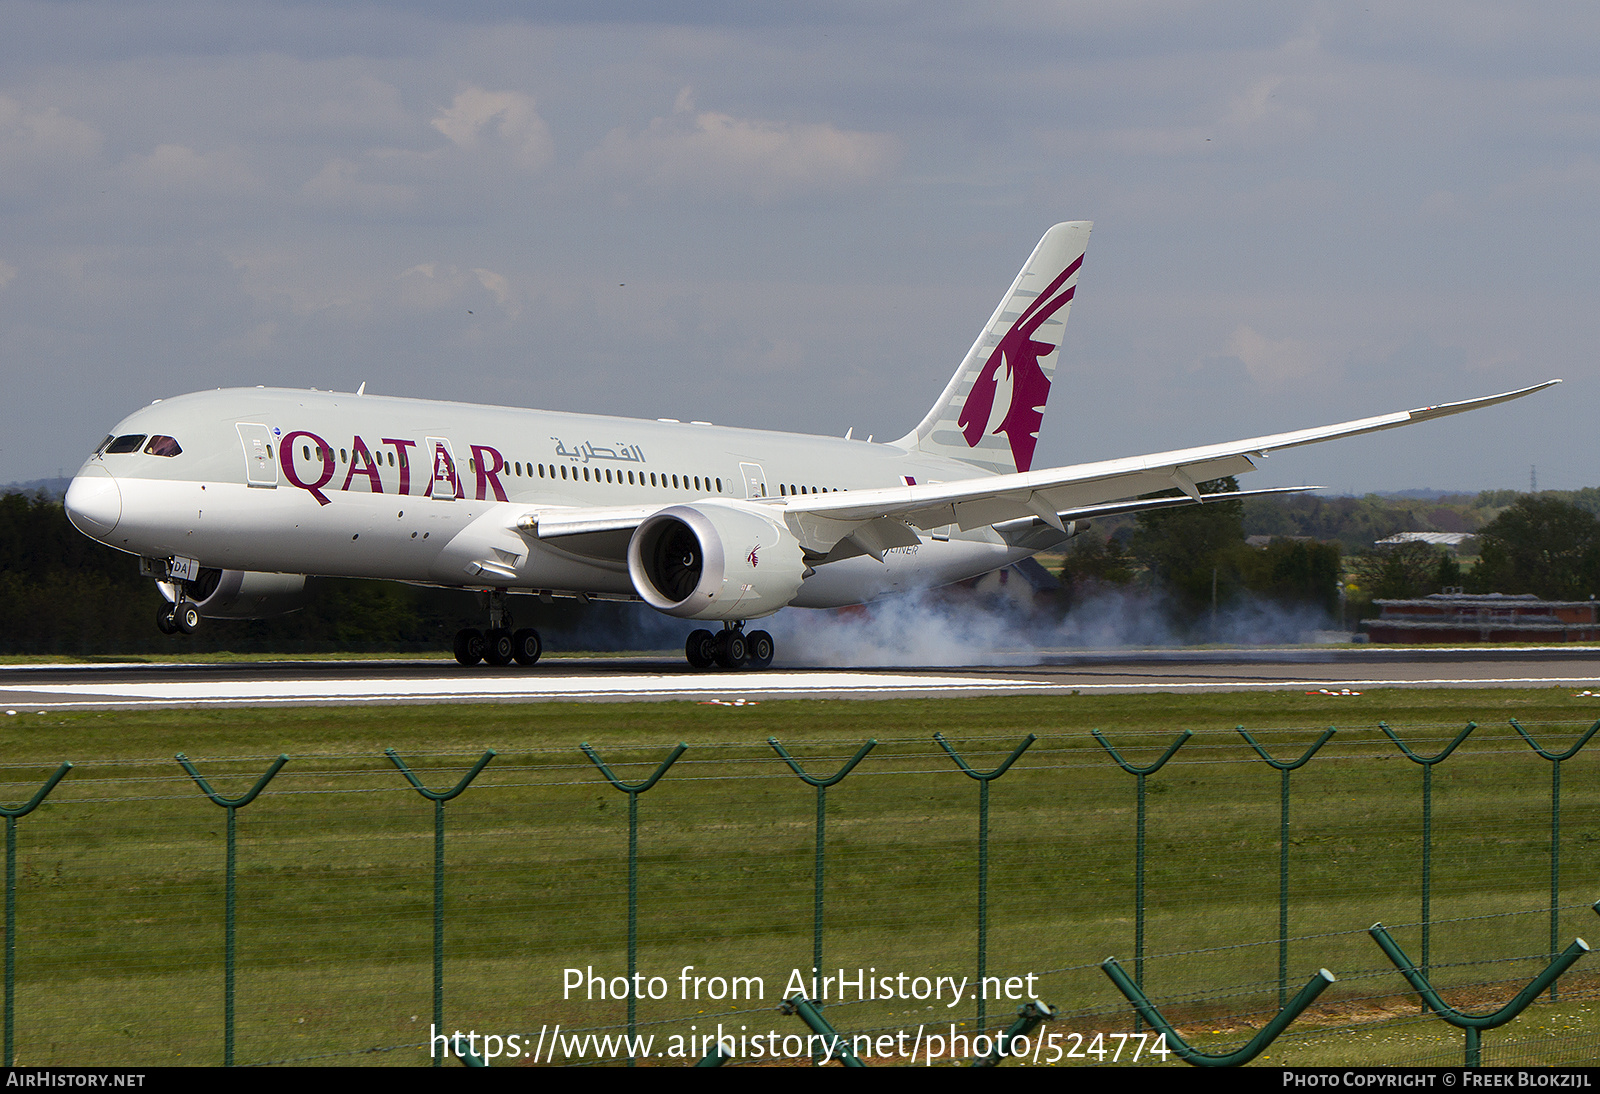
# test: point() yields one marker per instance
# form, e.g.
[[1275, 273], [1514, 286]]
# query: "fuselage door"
[[260, 464], [755, 480], [446, 483]]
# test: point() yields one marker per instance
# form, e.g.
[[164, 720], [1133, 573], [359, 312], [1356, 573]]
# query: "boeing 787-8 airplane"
[[231, 497]]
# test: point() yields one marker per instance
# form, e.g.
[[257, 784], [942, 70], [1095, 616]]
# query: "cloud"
[[508, 115], [718, 154], [176, 167], [42, 147], [1259, 114], [337, 187], [1272, 362]]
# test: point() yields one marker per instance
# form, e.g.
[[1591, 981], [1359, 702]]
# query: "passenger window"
[[127, 443], [162, 446]]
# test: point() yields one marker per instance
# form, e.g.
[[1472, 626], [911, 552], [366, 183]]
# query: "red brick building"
[[1492, 617]]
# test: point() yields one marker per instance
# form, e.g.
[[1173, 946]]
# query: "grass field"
[[120, 883]]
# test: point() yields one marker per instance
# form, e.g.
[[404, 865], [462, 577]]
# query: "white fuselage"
[[311, 482]]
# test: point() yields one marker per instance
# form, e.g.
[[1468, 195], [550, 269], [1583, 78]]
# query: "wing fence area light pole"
[[232, 805], [1140, 774], [1427, 763], [633, 790], [438, 799], [1556, 760], [12, 815], [822, 815], [984, 778], [1284, 767]]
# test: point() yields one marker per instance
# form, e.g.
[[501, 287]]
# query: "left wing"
[[820, 521]]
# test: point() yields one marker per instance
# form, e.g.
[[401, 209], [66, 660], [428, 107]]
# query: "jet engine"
[[241, 594], [715, 560]]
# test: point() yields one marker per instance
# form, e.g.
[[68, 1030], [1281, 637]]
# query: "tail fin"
[[1003, 382]]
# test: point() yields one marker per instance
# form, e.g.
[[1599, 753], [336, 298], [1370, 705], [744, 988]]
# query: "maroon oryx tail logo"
[[1030, 387], [751, 557]]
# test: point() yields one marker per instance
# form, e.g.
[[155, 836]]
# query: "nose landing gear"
[[731, 649], [500, 645]]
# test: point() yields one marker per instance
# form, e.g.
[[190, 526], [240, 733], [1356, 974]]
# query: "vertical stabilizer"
[[989, 413]]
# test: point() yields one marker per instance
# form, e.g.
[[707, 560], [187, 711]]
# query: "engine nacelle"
[[241, 594], [715, 560]]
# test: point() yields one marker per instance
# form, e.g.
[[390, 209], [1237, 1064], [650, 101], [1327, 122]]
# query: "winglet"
[[1422, 414]]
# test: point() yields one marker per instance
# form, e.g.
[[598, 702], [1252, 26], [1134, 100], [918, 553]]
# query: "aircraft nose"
[[94, 503]]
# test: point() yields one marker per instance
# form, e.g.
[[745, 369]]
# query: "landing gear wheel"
[[701, 649], [497, 647], [187, 617], [164, 621], [526, 647], [731, 649], [759, 650], [469, 646]]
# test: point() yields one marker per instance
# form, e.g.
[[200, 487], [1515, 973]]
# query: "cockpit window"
[[162, 446], [127, 443], [102, 447]]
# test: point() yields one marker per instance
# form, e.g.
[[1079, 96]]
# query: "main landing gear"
[[731, 649], [499, 645], [180, 616]]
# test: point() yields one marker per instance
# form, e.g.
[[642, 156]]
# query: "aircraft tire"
[[526, 646], [469, 647], [164, 621], [498, 647], [187, 618], [701, 649], [759, 649], [731, 649]]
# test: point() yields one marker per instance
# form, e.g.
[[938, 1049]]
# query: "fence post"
[[1138, 856], [12, 815], [232, 805], [1474, 1024], [438, 800], [1187, 1053], [633, 790], [1556, 760], [984, 778], [1427, 763], [822, 812], [1283, 850]]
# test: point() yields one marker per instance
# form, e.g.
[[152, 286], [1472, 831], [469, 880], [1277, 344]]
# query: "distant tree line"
[[1547, 544], [1198, 556]]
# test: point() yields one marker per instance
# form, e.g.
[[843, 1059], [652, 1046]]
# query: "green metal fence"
[[324, 937]]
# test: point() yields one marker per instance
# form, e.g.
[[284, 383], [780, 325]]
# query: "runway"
[[665, 678]]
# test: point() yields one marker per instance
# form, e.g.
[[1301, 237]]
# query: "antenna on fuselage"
[[362, 390]]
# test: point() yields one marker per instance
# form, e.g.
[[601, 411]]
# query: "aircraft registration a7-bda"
[[231, 497]]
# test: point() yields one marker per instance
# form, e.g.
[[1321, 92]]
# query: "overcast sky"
[[798, 216]]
